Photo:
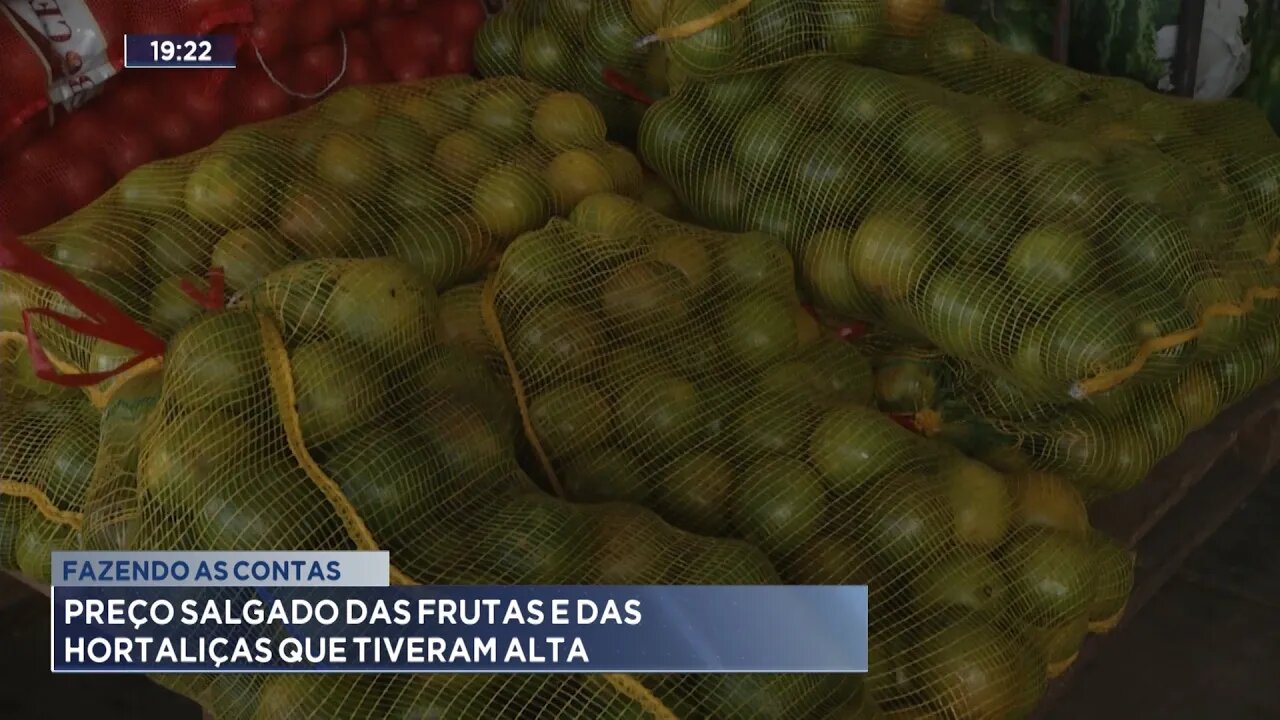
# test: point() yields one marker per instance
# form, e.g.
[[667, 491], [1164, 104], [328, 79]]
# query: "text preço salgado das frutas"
[[212, 616]]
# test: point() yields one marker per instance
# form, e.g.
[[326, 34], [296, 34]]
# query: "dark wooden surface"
[[1188, 497]]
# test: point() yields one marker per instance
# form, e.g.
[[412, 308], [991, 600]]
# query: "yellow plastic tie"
[[1057, 668], [102, 398], [625, 684], [1106, 625], [696, 25], [489, 312], [73, 520], [928, 422], [636, 691], [1107, 380], [281, 376]]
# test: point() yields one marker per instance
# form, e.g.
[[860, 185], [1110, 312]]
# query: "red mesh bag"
[[58, 53]]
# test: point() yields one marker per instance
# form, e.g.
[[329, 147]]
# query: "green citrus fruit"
[[569, 418], [980, 501], [778, 504], [1050, 574], [381, 303], [853, 446], [605, 475], [694, 493]]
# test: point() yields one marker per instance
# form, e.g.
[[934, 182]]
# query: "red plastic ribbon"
[[849, 331], [615, 80], [212, 299], [102, 319]]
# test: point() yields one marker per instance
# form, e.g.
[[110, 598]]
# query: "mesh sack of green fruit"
[[441, 173], [957, 53], [625, 53], [48, 442], [674, 367], [1105, 445], [324, 413], [1067, 263]]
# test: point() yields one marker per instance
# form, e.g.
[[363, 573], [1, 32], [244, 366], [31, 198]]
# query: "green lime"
[[510, 200], [1050, 573], [317, 221], [694, 493], [463, 156], [497, 45], [904, 385], [605, 475], [853, 446], [350, 163], [246, 255], [646, 299], [610, 31], [503, 114], [658, 414], [910, 520], [216, 361], [711, 51], [567, 120], [1041, 499], [849, 27], [1050, 261], [935, 143], [175, 244], [576, 174], [980, 501], [335, 393], [570, 418], [765, 139], [778, 504], [1113, 568], [975, 670], [546, 55], [759, 331], [971, 582], [891, 254], [557, 340]]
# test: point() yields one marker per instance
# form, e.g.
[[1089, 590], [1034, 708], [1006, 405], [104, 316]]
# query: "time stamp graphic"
[[180, 51]]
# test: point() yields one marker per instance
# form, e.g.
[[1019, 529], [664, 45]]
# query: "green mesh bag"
[[1063, 261], [290, 422], [1104, 445], [48, 443], [441, 173], [623, 54], [672, 366]]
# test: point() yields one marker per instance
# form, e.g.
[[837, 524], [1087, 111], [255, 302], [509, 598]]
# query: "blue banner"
[[177, 51], [460, 629]]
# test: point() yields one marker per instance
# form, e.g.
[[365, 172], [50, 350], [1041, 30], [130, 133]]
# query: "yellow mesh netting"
[[624, 53], [663, 364], [324, 429], [460, 331], [441, 175], [1066, 263], [1106, 444]]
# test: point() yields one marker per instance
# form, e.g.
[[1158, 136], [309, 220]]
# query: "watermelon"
[[1262, 33], [1137, 39]]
